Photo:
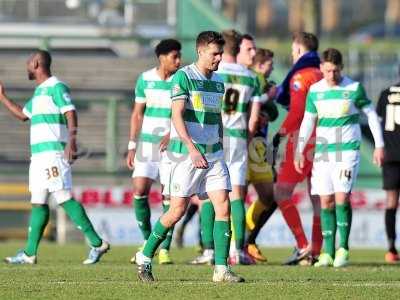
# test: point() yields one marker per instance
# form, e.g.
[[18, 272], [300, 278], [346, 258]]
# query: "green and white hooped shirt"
[[46, 109], [156, 94], [338, 112], [203, 101], [241, 88]]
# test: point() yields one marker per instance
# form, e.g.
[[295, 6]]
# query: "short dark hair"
[[262, 55], [44, 58], [333, 56], [166, 46], [247, 36], [307, 39], [232, 40], [209, 37]]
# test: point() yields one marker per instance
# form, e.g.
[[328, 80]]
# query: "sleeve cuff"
[[27, 113], [140, 100], [67, 108], [180, 97]]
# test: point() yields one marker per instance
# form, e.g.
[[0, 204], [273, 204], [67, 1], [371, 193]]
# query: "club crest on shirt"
[[67, 97], [220, 87], [151, 84], [296, 85], [176, 187], [346, 94], [176, 89]]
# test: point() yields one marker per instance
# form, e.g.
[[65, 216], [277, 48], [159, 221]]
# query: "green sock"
[[222, 238], [155, 239], [207, 218], [38, 222], [142, 212], [77, 214], [166, 244], [343, 218], [238, 215], [328, 226]]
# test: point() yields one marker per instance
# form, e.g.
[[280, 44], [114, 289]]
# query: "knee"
[[175, 214], [328, 204], [141, 188], [391, 203], [222, 210], [141, 192]]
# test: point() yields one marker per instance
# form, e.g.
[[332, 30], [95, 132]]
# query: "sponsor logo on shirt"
[[204, 101], [211, 100]]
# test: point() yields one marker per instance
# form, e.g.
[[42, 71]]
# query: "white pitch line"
[[338, 284]]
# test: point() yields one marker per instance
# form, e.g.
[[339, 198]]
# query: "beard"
[[214, 66], [31, 76]]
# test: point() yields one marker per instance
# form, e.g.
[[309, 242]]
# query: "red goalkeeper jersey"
[[299, 86]]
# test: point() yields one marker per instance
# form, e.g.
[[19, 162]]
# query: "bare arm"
[[136, 126], [255, 108], [15, 109], [136, 121], [71, 148], [178, 109], [306, 129]]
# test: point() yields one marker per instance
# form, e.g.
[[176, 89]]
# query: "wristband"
[[131, 145]]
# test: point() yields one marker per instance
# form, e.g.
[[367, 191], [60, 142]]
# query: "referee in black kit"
[[388, 109]]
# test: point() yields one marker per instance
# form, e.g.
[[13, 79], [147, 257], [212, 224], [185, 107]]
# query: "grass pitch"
[[60, 274]]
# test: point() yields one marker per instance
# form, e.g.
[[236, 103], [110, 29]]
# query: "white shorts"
[[335, 175], [186, 180], [235, 154], [43, 196], [165, 176], [154, 170], [50, 174], [148, 169]]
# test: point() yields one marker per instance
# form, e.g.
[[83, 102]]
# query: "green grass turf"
[[59, 274]]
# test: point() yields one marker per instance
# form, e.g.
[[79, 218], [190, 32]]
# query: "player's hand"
[[197, 158], [379, 156], [164, 143], [272, 92], [276, 140], [71, 151], [299, 163], [130, 158]]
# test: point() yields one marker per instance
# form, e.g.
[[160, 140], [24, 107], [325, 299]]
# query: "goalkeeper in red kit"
[[292, 93]]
